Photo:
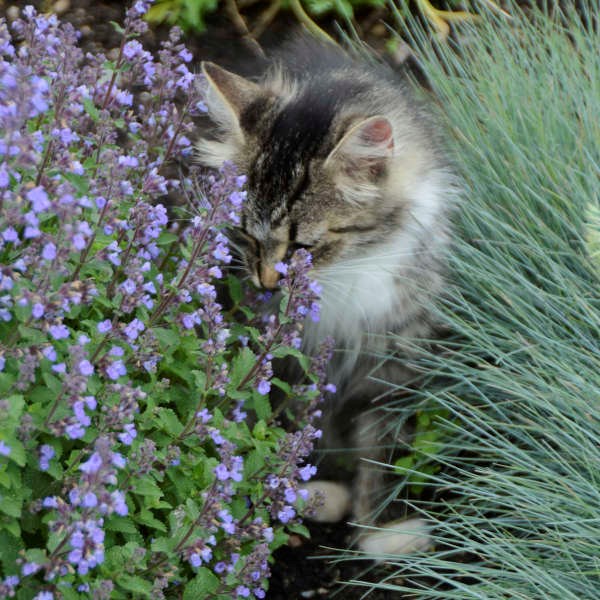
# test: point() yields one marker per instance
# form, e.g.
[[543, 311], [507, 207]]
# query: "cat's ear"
[[227, 96], [364, 149]]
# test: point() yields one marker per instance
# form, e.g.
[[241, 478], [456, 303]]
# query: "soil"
[[305, 568]]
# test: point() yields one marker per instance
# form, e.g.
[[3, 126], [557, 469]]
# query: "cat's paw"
[[396, 537], [333, 500]]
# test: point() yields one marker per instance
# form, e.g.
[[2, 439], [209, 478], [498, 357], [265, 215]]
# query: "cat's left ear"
[[365, 149], [228, 96]]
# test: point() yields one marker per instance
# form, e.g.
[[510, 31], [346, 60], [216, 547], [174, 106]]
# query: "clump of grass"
[[516, 503]]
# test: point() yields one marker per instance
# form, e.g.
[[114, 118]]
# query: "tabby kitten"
[[342, 160]]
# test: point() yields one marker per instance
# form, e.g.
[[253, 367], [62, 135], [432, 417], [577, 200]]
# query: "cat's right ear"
[[227, 97]]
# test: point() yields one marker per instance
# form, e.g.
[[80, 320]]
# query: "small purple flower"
[[5, 449], [89, 500], [185, 55], [92, 465], [195, 559], [204, 415], [222, 472], [86, 368], [50, 353], [49, 251], [286, 514], [118, 460], [128, 435], [104, 326], [132, 49], [75, 431], [44, 596], [46, 454], [116, 369], [119, 504], [307, 472], [281, 268], [242, 591], [59, 332], [38, 198], [128, 161], [30, 568], [10, 235], [37, 312], [264, 387], [59, 368], [133, 329], [49, 502]]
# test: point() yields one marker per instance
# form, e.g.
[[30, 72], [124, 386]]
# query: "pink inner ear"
[[378, 132]]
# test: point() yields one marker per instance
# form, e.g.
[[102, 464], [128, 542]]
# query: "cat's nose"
[[269, 277]]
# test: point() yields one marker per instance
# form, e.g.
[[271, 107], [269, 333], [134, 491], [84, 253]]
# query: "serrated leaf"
[[90, 109], [282, 385], [205, 583], [122, 524], [145, 517], [192, 509], [169, 421], [166, 337], [262, 406], [235, 289], [135, 584], [32, 335], [240, 367], [299, 529], [163, 544], [17, 452], [146, 486], [12, 526]]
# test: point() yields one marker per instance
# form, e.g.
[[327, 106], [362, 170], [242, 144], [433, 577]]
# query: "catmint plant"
[[140, 455]]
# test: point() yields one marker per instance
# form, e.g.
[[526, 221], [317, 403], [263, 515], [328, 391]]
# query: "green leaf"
[[261, 405], [134, 584], [169, 421], [90, 109], [282, 385], [31, 335], [11, 503], [17, 452], [163, 544], [146, 486], [166, 337], [235, 289], [299, 529], [240, 367], [145, 517], [166, 238], [205, 583], [122, 524]]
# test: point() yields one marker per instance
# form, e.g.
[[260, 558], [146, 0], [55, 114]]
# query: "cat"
[[343, 159]]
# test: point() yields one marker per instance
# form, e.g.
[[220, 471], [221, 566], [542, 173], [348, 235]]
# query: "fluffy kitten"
[[342, 160]]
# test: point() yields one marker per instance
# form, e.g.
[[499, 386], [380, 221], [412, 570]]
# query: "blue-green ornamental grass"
[[514, 393], [139, 453]]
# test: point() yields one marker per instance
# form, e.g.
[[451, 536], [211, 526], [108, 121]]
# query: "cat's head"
[[316, 169]]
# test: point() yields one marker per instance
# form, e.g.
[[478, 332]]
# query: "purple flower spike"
[[92, 465]]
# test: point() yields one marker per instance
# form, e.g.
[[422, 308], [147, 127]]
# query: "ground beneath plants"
[[305, 568]]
